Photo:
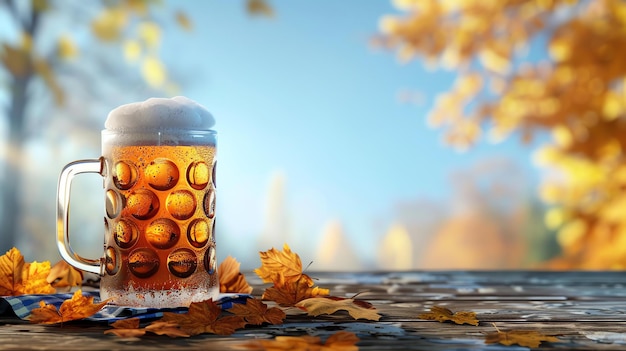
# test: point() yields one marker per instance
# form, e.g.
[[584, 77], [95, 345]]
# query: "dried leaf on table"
[[442, 314], [340, 341], [63, 275], [78, 307], [231, 279], [329, 305], [528, 338], [18, 277], [255, 312], [126, 328], [204, 317], [284, 270]]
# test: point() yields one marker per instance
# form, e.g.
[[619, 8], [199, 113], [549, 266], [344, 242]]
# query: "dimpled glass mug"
[[158, 164]]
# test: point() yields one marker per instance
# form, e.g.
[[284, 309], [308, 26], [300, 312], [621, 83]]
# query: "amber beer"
[[158, 164], [160, 218]]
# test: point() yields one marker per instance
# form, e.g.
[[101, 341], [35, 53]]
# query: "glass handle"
[[63, 213]]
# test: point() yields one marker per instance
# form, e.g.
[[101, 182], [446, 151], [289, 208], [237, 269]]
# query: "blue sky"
[[304, 94]]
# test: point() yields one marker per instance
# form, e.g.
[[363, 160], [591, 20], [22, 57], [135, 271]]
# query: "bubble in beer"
[[126, 234], [209, 260], [163, 233], [143, 262], [142, 204], [111, 260], [113, 203], [209, 203], [181, 204], [213, 172], [198, 232], [124, 175], [182, 263], [198, 175], [161, 174]]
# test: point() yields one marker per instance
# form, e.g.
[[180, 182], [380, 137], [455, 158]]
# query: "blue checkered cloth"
[[23, 305]]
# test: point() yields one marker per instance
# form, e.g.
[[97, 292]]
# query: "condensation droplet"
[[124, 175], [161, 174], [182, 263], [163, 233], [126, 234], [143, 262], [111, 261], [198, 232], [198, 175], [209, 260], [113, 203], [209, 203], [181, 204], [142, 204]]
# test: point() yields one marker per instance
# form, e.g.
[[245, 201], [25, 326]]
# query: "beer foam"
[[158, 114]]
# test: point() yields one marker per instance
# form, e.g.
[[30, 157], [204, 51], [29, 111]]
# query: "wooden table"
[[585, 310]]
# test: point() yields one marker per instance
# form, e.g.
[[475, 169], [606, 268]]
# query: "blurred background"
[[367, 135]]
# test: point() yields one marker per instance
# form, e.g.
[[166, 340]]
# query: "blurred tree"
[[576, 93], [39, 63], [69, 57]]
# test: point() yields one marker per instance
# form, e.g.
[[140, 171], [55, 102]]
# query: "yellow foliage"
[[109, 24], [132, 50], [150, 34], [66, 49], [578, 96], [153, 71]]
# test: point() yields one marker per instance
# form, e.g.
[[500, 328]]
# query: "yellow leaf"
[[153, 71], [231, 279], [108, 25], [18, 277], [132, 50], [323, 305], [613, 106], [183, 20], [442, 314], [63, 275], [150, 34], [78, 307], [528, 338], [66, 49], [35, 278], [279, 266], [16, 60]]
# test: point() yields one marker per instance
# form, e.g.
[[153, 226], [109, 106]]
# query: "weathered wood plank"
[[586, 310]]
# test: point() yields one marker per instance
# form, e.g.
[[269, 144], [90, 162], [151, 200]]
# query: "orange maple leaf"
[[442, 314], [62, 275], [323, 305], [18, 277], [256, 312], [78, 307], [284, 270], [340, 341], [204, 317], [231, 279], [126, 328]]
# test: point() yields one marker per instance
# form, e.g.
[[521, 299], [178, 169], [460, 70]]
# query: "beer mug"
[[158, 164]]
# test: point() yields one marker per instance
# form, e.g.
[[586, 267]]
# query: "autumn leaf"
[[340, 341], [63, 275], [256, 312], [442, 314], [279, 267], [284, 269], [323, 305], [126, 328], [528, 338], [18, 277], [78, 307], [204, 317], [231, 279]]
